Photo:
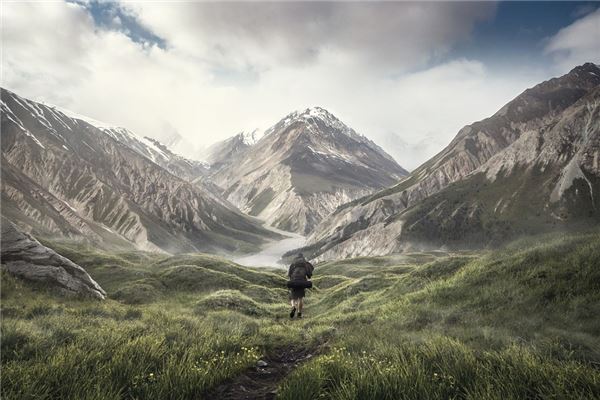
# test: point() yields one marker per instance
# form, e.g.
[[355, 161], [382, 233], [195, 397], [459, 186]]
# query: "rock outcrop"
[[25, 257]]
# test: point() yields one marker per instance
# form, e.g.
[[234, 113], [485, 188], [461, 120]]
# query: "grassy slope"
[[480, 213], [517, 323]]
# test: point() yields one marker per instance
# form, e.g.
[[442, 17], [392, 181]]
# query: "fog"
[[271, 253]]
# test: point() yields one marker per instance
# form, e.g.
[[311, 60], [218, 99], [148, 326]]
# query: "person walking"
[[299, 272]]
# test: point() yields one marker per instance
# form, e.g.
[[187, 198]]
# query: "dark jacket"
[[300, 270]]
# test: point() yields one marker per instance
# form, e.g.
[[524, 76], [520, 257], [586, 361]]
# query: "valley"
[[475, 276], [272, 253]]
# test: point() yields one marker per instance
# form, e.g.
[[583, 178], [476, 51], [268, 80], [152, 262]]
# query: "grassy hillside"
[[478, 213], [517, 323]]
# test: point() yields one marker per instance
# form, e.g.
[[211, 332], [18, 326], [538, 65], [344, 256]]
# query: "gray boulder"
[[26, 258]]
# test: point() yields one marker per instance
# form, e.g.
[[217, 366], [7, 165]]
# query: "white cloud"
[[207, 88], [38, 56], [577, 43], [389, 35]]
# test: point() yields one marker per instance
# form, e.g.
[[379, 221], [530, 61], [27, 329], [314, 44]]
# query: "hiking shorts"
[[297, 293]]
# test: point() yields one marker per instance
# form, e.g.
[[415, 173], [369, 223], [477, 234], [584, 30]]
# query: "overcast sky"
[[407, 75]]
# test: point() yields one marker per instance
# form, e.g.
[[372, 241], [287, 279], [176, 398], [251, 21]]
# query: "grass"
[[518, 323], [438, 368]]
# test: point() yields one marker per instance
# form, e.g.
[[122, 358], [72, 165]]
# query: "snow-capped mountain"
[[531, 167], [302, 169], [64, 174], [224, 153]]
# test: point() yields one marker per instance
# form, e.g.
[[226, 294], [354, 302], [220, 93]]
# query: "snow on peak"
[[74, 115], [250, 138], [312, 112]]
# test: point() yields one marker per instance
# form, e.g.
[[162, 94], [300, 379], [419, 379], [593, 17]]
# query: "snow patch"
[[150, 144], [70, 206], [250, 138], [106, 228], [76, 116]]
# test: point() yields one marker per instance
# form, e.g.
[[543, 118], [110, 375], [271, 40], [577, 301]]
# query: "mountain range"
[[531, 167], [67, 175], [300, 170]]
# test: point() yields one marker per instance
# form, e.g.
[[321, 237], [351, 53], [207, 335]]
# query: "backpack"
[[300, 269]]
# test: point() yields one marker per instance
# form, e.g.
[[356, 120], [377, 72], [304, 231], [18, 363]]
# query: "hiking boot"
[[299, 315], [293, 312]]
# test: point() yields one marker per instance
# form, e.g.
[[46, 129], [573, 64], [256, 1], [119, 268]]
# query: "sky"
[[408, 75]]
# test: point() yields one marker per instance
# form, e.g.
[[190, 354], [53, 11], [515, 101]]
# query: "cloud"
[[392, 35], [415, 116], [39, 56], [576, 43], [216, 74]]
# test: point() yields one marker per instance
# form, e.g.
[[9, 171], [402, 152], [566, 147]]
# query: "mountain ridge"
[[370, 225], [63, 176], [315, 163]]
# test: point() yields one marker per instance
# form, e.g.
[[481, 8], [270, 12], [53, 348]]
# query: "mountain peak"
[[302, 169], [249, 138], [588, 72], [317, 120], [588, 67], [314, 112]]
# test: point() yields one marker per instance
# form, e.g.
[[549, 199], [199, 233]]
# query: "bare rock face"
[[26, 258]]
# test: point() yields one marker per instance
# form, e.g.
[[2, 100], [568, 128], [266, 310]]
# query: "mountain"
[[64, 174], [224, 153], [190, 170], [531, 167], [148, 147], [301, 169]]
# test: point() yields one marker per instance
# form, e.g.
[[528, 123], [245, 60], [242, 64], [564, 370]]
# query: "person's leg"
[[300, 305], [294, 303]]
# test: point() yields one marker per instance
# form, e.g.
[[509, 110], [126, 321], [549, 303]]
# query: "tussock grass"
[[512, 324], [516, 323], [438, 368]]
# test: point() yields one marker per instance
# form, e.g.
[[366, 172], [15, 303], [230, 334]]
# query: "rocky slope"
[[25, 257], [66, 175], [530, 167], [302, 168]]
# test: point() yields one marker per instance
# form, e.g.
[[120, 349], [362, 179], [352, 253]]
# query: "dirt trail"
[[261, 383]]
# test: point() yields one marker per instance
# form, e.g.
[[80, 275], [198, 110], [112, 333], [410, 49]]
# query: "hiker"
[[299, 273]]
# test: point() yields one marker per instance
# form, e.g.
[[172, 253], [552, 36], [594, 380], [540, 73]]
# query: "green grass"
[[438, 368], [517, 323]]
